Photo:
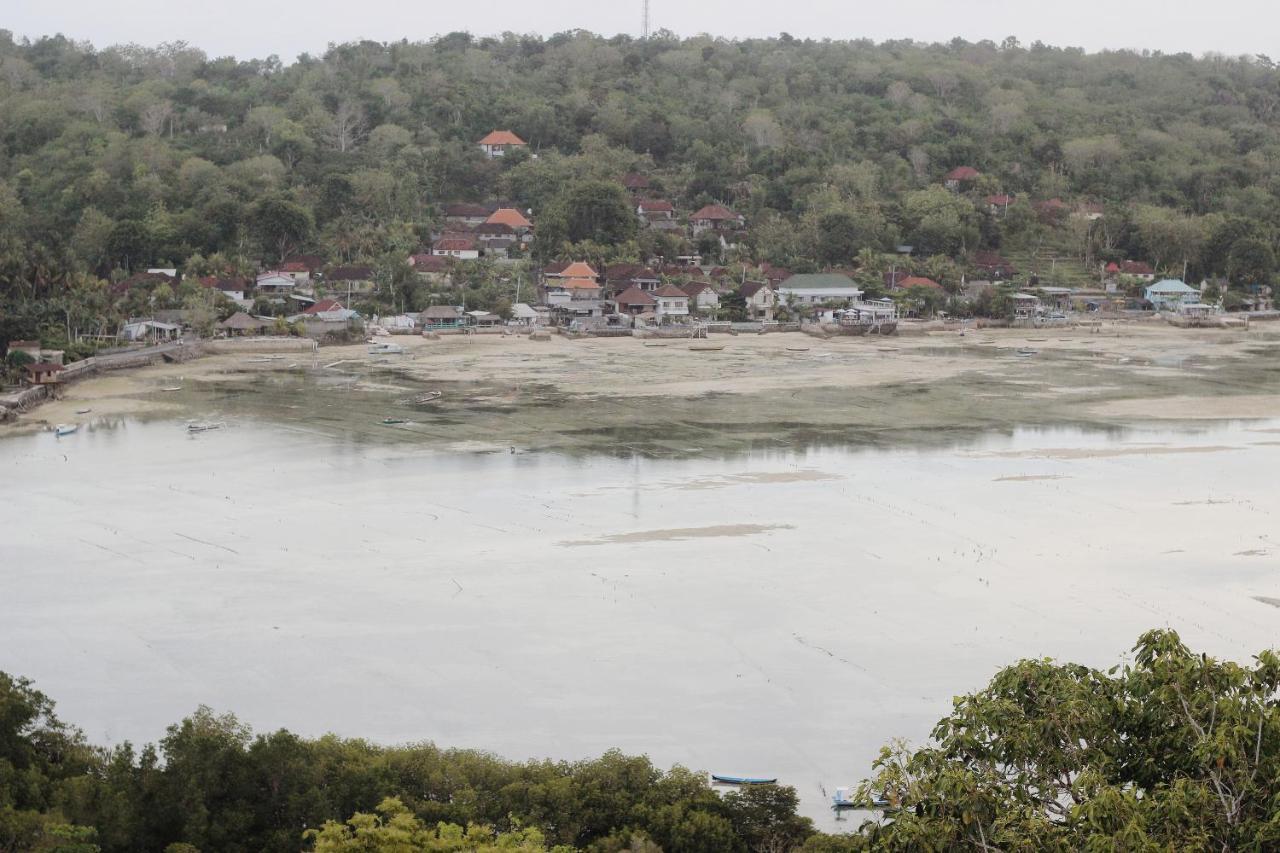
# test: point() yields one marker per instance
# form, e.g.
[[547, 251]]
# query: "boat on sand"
[[65, 429]]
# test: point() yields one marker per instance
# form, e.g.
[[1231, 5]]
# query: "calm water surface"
[[782, 614]]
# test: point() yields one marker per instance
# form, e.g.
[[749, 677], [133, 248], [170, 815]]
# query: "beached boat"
[[393, 421], [172, 388], [429, 397], [706, 347], [797, 349], [1026, 352], [385, 349], [65, 429], [83, 411], [204, 427], [743, 780]]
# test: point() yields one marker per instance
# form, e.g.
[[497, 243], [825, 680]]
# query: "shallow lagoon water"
[[770, 613]]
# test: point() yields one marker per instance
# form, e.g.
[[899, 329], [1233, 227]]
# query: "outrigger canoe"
[[743, 780]]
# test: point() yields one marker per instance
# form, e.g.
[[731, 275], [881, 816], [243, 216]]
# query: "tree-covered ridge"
[[1171, 751], [117, 159]]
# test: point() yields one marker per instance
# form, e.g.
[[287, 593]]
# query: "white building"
[[1170, 293], [818, 289], [671, 302]]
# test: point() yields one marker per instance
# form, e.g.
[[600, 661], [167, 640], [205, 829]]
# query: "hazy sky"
[[289, 27]]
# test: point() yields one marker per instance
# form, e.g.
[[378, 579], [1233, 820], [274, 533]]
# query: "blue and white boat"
[[743, 780]]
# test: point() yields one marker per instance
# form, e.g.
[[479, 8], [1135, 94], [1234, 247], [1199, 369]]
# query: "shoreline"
[[566, 393]]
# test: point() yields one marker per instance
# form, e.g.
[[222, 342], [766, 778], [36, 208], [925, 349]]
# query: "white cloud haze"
[[289, 27]]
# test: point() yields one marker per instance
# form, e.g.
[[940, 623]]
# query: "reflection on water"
[[776, 612]]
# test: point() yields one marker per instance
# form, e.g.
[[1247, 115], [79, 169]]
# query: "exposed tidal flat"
[[773, 580]]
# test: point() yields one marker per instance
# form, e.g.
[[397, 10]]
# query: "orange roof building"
[[508, 216], [499, 142], [579, 269]]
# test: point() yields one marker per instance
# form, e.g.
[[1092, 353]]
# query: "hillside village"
[[408, 190], [482, 270]]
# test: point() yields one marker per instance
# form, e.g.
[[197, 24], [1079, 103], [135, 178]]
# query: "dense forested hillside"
[[117, 159]]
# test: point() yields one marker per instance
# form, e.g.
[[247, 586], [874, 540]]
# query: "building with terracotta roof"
[[232, 288], [715, 217], [323, 306], [467, 213], [579, 269], [499, 142], [961, 175], [672, 303], [510, 217], [619, 277], [653, 210], [464, 248], [634, 301]]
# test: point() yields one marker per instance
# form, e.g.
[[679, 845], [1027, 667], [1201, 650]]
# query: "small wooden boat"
[[393, 421], [1026, 352], [797, 349], [429, 397], [887, 349], [705, 347], [204, 427], [83, 411], [653, 344], [743, 780], [172, 388], [65, 429]]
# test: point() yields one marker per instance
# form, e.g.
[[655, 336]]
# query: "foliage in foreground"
[[1173, 751]]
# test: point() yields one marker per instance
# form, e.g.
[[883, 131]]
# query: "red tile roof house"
[[702, 297], [296, 270], [961, 175], [512, 218], [994, 265], [499, 142], [619, 277], [715, 217], [673, 303], [462, 247], [999, 203], [43, 373], [634, 301], [311, 263], [356, 278], [232, 288], [323, 306], [464, 213], [430, 267], [1137, 269], [651, 210]]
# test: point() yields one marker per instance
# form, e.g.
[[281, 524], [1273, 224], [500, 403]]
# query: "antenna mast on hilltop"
[[644, 24]]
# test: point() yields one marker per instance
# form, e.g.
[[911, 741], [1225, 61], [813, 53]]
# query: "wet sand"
[[620, 396]]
